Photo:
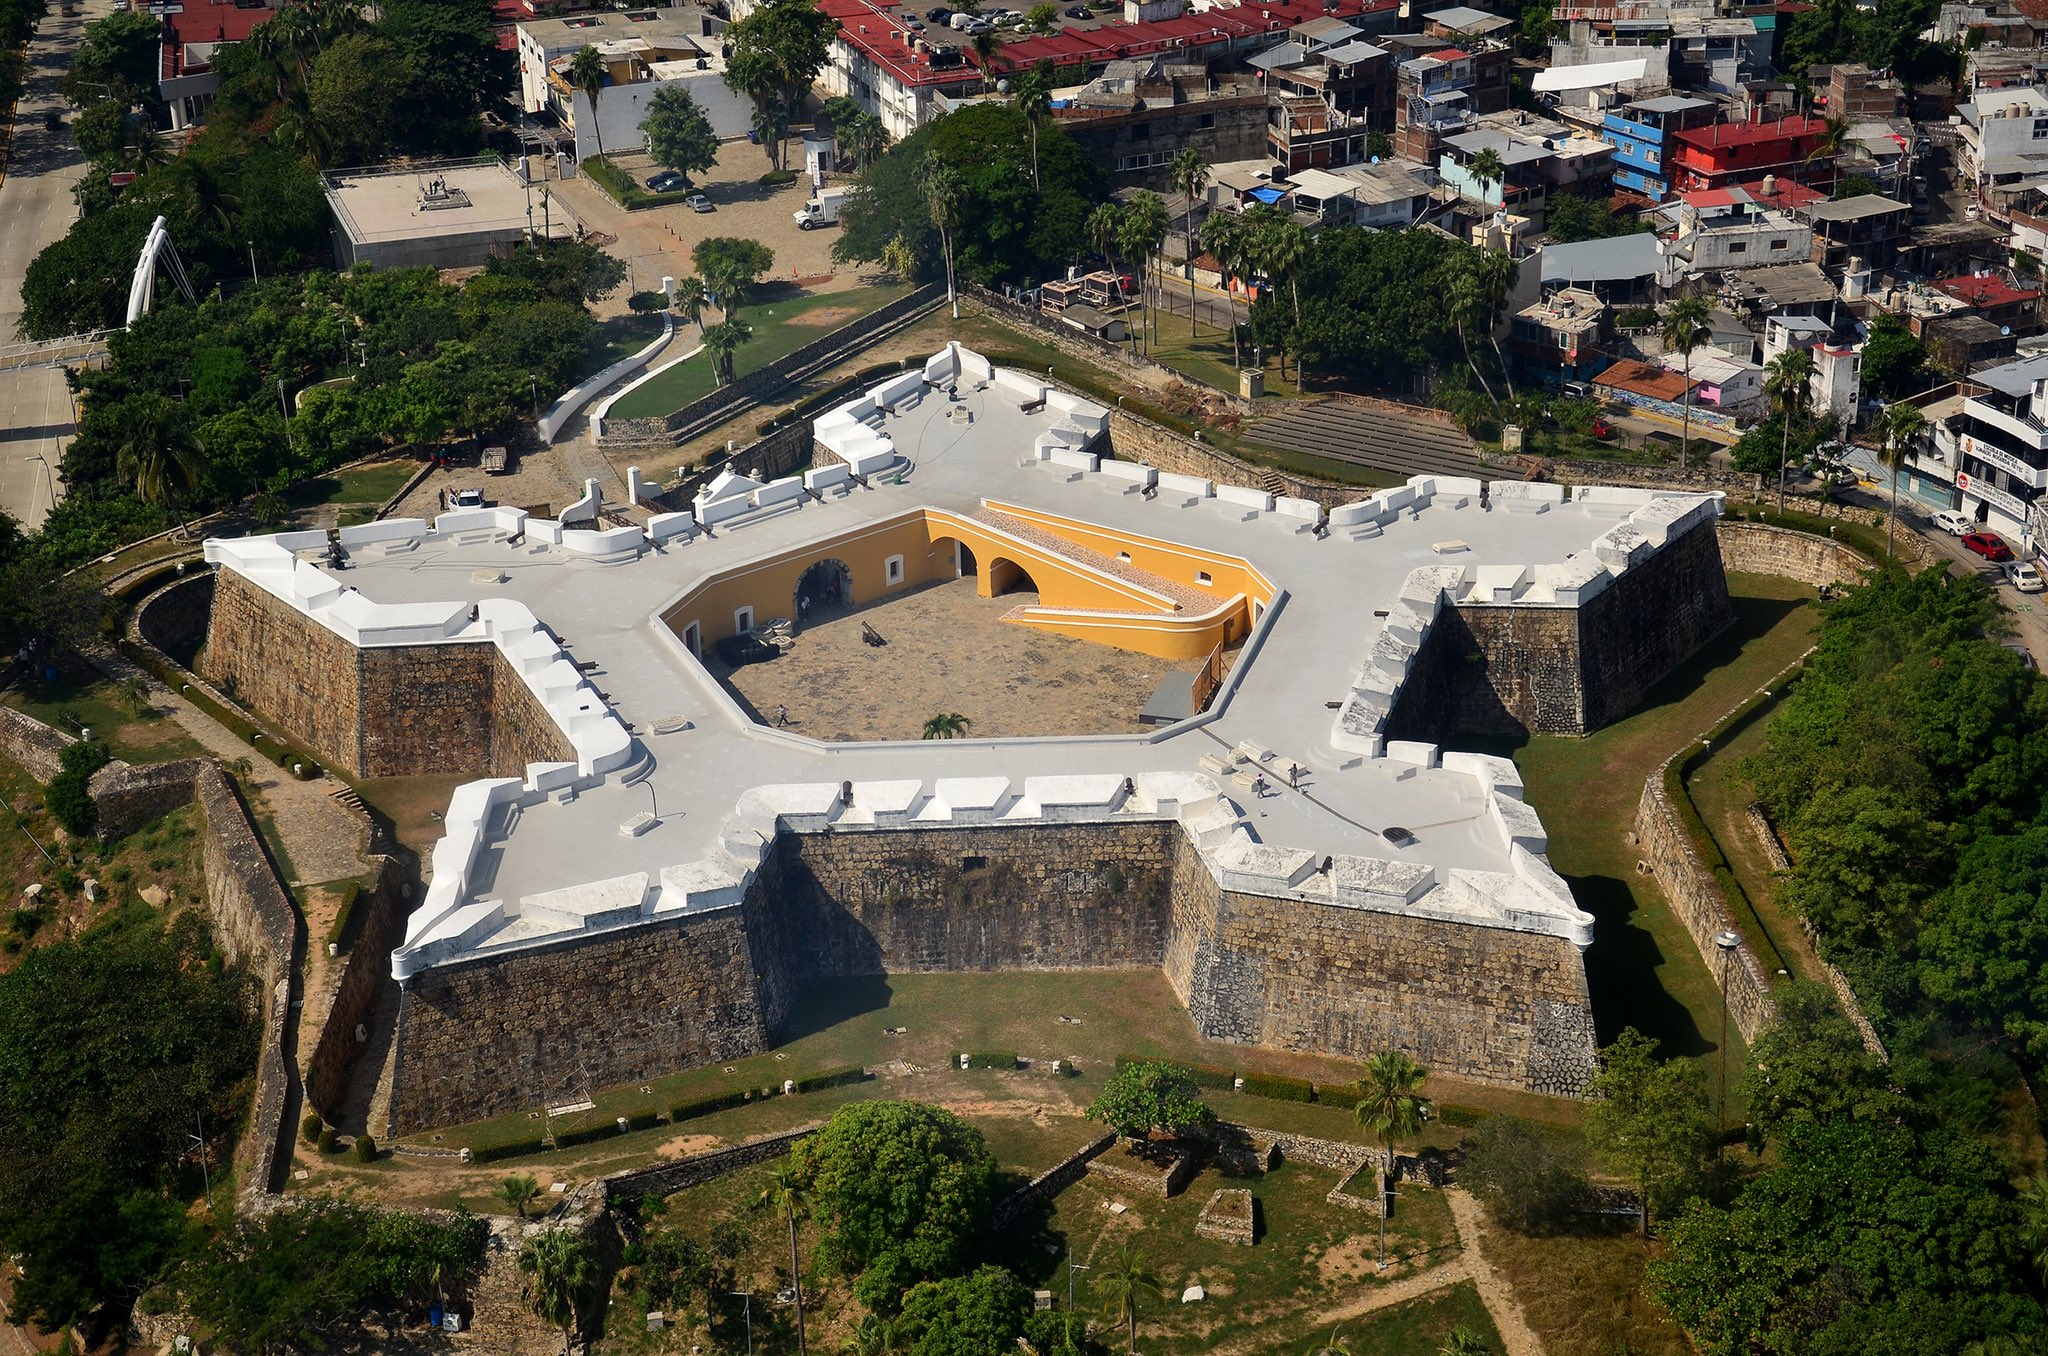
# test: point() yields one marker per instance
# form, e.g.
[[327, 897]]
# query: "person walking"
[[782, 715]]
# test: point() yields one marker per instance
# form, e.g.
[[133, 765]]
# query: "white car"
[[1952, 522], [2022, 575]]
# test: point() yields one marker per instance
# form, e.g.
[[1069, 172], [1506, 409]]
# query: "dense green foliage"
[[1894, 362], [679, 135], [293, 1280], [1572, 217], [69, 800], [981, 1314], [1531, 1181], [112, 1046], [1810, 1067], [1648, 1117], [1008, 230], [1886, 36], [901, 1188], [1140, 1098], [1863, 1236]]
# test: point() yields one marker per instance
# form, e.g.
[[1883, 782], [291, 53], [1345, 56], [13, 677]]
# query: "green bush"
[[1279, 1087], [622, 188], [310, 1127], [345, 911], [642, 303], [518, 1148], [1461, 1116], [365, 1149], [1210, 1076], [705, 1106], [26, 921], [831, 1078], [69, 802], [645, 1120], [993, 1059], [568, 1139], [777, 178], [1338, 1094], [327, 1143]]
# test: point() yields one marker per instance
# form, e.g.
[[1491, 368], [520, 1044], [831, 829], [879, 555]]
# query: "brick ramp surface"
[[1184, 597], [1382, 439]]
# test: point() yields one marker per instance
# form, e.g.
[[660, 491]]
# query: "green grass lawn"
[[780, 327], [372, 484], [1208, 357], [1643, 969], [85, 699], [620, 338], [1583, 1292]]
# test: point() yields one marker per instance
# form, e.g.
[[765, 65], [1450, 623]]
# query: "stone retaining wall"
[[364, 974], [174, 617], [1146, 1179], [34, 745], [126, 797], [1697, 901], [1758, 548], [660, 1179], [1229, 1216], [1135, 438], [1050, 1183]]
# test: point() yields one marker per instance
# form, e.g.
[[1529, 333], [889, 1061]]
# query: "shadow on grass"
[[824, 1004], [1621, 970], [1755, 618]]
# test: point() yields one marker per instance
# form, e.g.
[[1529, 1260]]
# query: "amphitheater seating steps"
[[1403, 445]]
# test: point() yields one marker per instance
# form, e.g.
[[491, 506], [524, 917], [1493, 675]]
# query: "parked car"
[[1989, 545], [2022, 575], [697, 202], [1079, 12], [463, 499], [939, 15], [52, 120], [2026, 655], [914, 24], [1954, 523], [668, 181]]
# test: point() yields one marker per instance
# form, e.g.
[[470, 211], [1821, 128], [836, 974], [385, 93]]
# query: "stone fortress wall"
[[507, 1033]]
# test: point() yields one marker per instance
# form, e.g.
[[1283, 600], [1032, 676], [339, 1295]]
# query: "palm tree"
[[1120, 1283], [947, 725], [1462, 1341], [519, 1191], [146, 149], [1685, 329], [1337, 1344], [1898, 428], [158, 453], [1466, 306], [867, 138], [588, 75], [1497, 274], [2033, 1239], [1189, 174], [1226, 236], [691, 299], [1486, 168], [1378, 145], [985, 46], [721, 341], [1389, 1106], [790, 1194], [1282, 248], [1105, 227], [1033, 96], [945, 192], [1144, 232], [876, 1336], [1786, 382], [559, 1267]]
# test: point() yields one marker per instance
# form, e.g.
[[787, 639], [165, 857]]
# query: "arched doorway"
[[1007, 576], [956, 553], [827, 584]]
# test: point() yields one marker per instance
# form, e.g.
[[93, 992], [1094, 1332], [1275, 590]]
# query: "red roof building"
[[897, 72], [1734, 153], [190, 37]]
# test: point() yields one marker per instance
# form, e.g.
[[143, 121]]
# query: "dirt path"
[[1386, 1297], [1515, 1332]]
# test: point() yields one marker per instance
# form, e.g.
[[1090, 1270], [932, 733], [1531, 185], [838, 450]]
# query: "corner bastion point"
[[642, 876]]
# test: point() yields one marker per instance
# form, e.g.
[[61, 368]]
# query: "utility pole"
[[205, 1173], [252, 262], [1726, 941]]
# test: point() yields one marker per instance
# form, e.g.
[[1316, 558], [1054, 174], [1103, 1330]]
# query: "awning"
[[1269, 195], [1589, 77]]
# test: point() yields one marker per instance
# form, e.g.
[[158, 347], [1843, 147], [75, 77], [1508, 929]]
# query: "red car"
[[1988, 545]]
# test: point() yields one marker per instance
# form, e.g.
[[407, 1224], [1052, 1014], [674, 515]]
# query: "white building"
[[2001, 442], [1723, 383], [2003, 135], [1741, 236], [645, 51], [1837, 368]]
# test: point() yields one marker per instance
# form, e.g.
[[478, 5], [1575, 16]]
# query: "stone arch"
[[826, 583], [1007, 576]]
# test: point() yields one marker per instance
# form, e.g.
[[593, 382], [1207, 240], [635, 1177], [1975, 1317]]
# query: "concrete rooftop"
[[555, 856]]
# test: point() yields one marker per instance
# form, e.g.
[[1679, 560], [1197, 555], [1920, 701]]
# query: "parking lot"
[[657, 241]]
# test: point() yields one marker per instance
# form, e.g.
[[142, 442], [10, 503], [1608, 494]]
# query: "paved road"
[[36, 208]]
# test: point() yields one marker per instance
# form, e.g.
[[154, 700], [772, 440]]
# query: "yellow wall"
[[1074, 600]]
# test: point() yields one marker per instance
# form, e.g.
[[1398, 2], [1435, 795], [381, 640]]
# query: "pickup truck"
[[494, 461]]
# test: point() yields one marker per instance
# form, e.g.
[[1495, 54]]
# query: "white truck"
[[821, 210]]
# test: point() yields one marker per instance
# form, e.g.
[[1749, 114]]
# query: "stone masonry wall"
[[34, 745], [301, 675], [1506, 670], [662, 1179], [553, 1024], [382, 712], [364, 973], [174, 617], [126, 798], [1757, 548], [1697, 900]]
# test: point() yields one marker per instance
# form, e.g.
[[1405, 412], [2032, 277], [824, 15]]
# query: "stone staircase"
[[1273, 483], [1185, 597]]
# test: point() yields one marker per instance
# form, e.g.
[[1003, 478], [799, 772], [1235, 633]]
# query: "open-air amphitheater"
[[644, 873]]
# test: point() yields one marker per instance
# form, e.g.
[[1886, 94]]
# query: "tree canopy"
[[1008, 229], [1141, 1098], [1648, 1117], [679, 134], [901, 1186]]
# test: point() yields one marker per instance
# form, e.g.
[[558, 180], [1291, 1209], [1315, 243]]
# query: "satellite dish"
[[2004, 330], [1002, 87]]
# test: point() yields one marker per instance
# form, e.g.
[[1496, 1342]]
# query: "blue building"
[[1640, 132]]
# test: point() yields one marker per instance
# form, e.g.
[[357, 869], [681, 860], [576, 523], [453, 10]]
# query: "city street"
[[36, 208]]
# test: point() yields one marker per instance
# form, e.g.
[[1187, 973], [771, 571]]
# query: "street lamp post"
[[1072, 1267], [748, 1296], [1726, 941], [534, 382], [49, 481]]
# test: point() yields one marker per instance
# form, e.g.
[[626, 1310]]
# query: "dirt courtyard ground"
[[948, 651]]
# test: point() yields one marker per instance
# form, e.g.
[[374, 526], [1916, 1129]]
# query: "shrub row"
[[624, 191], [993, 1059], [518, 1148], [567, 1139], [704, 1106], [831, 1078], [1280, 1087], [345, 911], [645, 1120]]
